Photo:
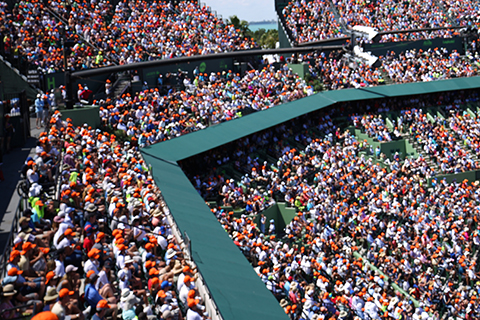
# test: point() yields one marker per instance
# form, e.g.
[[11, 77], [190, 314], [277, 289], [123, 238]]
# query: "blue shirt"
[[92, 296], [39, 104]]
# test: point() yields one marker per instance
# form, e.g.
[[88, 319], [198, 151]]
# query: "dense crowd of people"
[[337, 72], [360, 226], [315, 20], [31, 33], [374, 237], [131, 32], [387, 15], [433, 64], [311, 21], [104, 248], [205, 99], [464, 13]]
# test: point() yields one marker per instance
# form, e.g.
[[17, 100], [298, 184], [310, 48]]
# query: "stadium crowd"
[[463, 13], [131, 32], [311, 21], [109, 224], [104, 248], [315, 20], [363, 222], [337, 72], [204, 99], [433, 64], [30, 32]]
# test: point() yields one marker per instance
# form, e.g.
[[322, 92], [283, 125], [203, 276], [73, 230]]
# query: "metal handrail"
[[22, 203]]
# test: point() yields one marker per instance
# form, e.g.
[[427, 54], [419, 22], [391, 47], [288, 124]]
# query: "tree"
[[241, 25], [268, 39]]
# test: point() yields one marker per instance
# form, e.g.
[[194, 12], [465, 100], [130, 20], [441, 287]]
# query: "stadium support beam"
[[173, 61]]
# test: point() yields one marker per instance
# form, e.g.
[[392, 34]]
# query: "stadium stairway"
[[284, 32], [121, 84], [385, 75], [335, 12], [54, 14], [442, 7], [419, 151]]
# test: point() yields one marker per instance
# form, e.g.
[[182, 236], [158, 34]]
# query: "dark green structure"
[[237, 290]]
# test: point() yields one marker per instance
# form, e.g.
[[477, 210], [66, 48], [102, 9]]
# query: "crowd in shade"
[[433, 134], [372, 238], [203, 100], [465, 125], [432, 64], [101, 35], [103, 249], [311, 21], [337, 72]]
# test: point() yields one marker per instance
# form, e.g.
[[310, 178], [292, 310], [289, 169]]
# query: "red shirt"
[[88, 244]]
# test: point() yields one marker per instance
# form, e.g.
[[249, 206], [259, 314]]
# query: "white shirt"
[[63, 244], [120, 261], [193, 315], [123, 278], [180, 283], [90, 265], [183, 294], [102, 280], [59, 268], [32, 176]]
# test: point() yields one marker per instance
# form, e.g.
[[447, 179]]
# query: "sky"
[[249, 10]]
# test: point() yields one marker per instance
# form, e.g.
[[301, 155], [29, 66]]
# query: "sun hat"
[[51, 295], [171, 253], [9, 290]]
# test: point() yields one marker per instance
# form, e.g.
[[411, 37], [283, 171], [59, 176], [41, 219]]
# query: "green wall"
[[88, 114], [299, 68], [12, 82]]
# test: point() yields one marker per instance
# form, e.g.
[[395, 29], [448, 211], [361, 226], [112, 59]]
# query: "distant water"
[[266, 26]]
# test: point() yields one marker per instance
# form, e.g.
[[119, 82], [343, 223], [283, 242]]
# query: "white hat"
[[125, 294], [70, 268], [171, 253]]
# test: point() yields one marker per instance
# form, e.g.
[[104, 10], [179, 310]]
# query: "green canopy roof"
[[197, 142], [237, 290]]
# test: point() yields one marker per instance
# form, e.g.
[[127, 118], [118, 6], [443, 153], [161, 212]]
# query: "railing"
[[184, 242], [22, 205], [279, 5]]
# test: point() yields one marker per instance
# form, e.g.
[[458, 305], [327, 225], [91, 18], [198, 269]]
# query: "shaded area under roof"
[[237, 290], [200, 141]]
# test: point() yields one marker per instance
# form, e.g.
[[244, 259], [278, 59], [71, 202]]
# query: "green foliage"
[[120, 135], [266, 39], [241, 25], [315, 83]]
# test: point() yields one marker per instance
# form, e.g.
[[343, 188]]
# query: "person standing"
[[263, 220], [39, 104]]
